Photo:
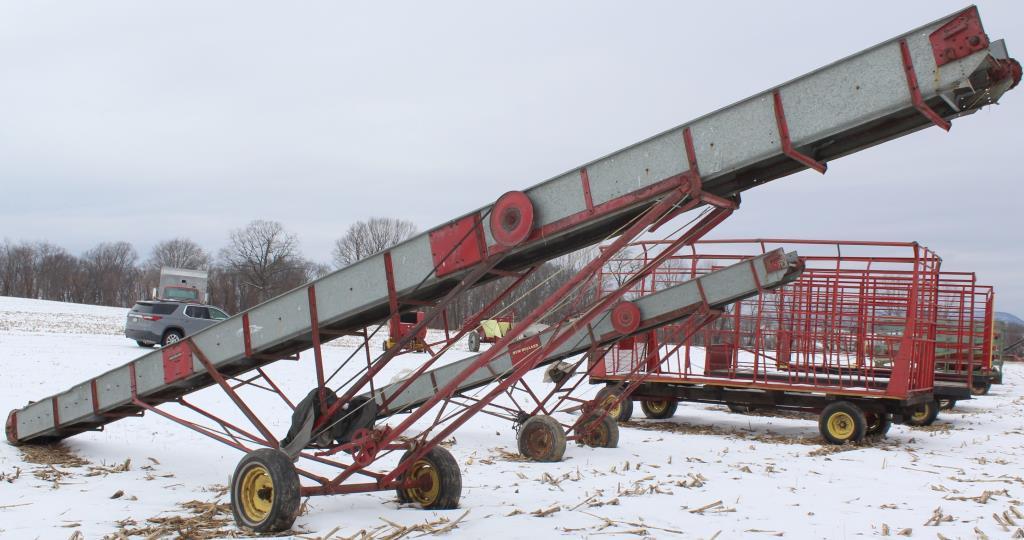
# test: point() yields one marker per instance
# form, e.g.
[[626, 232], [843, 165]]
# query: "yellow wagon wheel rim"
[[658, 407], [428, 480], [841, 425], [613, 411], [257, 493], [920, 415]]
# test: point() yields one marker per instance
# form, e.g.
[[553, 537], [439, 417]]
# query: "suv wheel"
[[171, 337]]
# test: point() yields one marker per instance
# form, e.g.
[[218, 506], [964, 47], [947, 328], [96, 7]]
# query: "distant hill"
[[1009, 318]]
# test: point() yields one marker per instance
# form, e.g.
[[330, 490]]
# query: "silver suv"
[[158, 321]]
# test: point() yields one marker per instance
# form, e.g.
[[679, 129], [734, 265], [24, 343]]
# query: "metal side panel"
[[868, 86], [114, 388], [736, 137], [36, 418], [412, 262], [557, 199], [221, 343], [75, 404], [285, 317], [720, 288], [637, 167], [149, 373], [362, 285]]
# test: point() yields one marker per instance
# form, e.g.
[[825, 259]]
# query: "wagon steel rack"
[[854, 337], [928, 76], [966, 334], [964, 326]]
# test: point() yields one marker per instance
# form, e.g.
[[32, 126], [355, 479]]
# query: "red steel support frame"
[[653, 214], [696, 321], [670, 198], [223, 383]]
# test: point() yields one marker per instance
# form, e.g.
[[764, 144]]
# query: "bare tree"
[[59, 274], [18, 270], [178, 253], [261, 261], [110, 269], [364, 238]]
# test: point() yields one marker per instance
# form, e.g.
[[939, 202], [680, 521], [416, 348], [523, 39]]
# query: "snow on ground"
[[753, 475]]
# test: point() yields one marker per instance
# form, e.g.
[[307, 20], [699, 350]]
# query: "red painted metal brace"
[[314, 324], [246, 335], [915, 90], [787, 144], [95, 397], [587, 197], [56, 412], [394, 324]]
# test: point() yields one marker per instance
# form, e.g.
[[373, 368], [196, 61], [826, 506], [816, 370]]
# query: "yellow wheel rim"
[[657, 407], [613, 411], [840, 425], [423, 473], [257, 493], [920, 415]]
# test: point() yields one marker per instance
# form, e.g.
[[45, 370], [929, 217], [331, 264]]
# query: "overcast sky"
[[141, 121]]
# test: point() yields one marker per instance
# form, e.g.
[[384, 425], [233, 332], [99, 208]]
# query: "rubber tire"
[[145, 344], [668, 412], [169, 333], [981, 389], [738, 408], [473, 341], [610, 436], [878, 424], [625, 406], [860, 424], [285, 481], [946, 404], [449, 474], [931, 410], [542, 425]]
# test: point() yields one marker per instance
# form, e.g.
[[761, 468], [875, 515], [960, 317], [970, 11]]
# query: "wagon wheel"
[[601, 434], [473, 341], [621, 412], [878, 423], [659, 409], [980, 388], [739, 408], [437, 479], [265, 491], [842, 422], [541, 438], [923, 415]]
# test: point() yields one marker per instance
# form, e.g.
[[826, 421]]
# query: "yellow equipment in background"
[[489, 331]]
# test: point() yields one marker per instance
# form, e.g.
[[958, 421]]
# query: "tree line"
[[259, 262]]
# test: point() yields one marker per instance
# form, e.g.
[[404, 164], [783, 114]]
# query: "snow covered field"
[[706, 473]]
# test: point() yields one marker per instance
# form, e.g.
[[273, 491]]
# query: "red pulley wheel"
[[625, 317], [11, 429], [511, 219]]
